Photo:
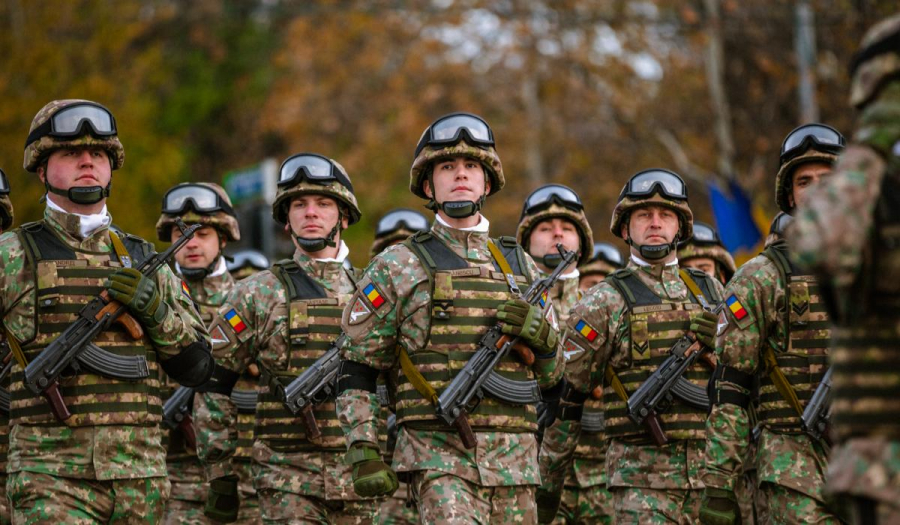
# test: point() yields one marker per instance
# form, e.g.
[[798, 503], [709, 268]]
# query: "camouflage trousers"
[[396, 511], [187, 512], [289, 508], [42, 498], [745, 493], [5, 517], [777, 504], [446, 499], [585, 505], [640, 506]]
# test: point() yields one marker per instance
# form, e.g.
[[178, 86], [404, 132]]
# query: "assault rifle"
[[74, 347], [468, 386], [315, 385], [177, 414], [816, 417], [6, 360]]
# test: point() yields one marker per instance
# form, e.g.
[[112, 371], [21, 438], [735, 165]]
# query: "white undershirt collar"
[[640, 262], [87, 224], [481, 227]]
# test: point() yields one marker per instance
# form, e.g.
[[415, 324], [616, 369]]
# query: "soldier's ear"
[[624, 231], [426, 188]]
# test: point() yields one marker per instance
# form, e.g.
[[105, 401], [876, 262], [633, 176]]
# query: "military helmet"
[[313, 174], [198, 203], [6, 207], [605, 260], [876, 62], [244, 263], [706, 243], [555, 201], [456, 135], [395, 226], [807, 143], [654, 187], [72, 123]]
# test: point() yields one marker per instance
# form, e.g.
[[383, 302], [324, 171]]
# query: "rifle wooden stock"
[[309, 420], [465, 430], [521, 349], [57, 405], [113, 307]]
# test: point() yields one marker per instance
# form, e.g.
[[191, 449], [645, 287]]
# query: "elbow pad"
[[192, 367], [357, 376]]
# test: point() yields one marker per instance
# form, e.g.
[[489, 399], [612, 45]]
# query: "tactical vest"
[[314, 322], [66, 280], [804, 360], [464, 302], [246, 420], [655, 325]]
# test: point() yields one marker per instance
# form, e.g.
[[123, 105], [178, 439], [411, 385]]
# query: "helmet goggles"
[[816, 136], [4, 184], [704, 234], [398, 219], [452, 128], [312, 168], [608, 253], [251, 258], [75, 121], [552, 193], [201, 198], [648, 182]]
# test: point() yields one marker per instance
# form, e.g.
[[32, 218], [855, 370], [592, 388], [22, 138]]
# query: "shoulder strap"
[[635, 292], [514, 255], [42, 244], [138, 249], [298, 284], [700, 286], [435, 254], [501, 262]]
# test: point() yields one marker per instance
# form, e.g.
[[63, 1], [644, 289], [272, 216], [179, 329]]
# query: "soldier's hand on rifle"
[[704, 327], [222, 501], [372, 477], [139, 293], [527, 321], [719, 507]]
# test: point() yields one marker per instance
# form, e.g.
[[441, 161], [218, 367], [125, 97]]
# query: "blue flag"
[[735, 218]]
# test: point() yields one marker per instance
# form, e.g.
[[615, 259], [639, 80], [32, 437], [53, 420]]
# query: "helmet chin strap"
[[455, 209], [320, 243], [81, 194], [198, 274], [654, 252]]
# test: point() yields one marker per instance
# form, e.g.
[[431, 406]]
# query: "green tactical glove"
[[719, 507], [371, 476], [704, 327], [547, 504], [138, 292], [527, 321], [222, 501]]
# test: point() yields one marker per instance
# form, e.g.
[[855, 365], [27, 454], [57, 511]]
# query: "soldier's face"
[[704, 264], [313, 216], [590, 280], [74, 167], [457, 179], [201, 250], [548, 233], [805, 177], [652, 225]]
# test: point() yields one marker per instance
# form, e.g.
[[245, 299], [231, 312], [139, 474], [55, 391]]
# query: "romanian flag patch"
[[235, 321], [585, 329], [737, 309], [185, 290], [543, 300], [373, 295]]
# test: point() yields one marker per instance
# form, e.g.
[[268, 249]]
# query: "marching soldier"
[[435, 295], [6, 220], [105, 463], [774, 333], [606, 259], [705, 252], [847, 232], [245, 263], [395, 227], [284, 319], [202, 266], [626, 326]]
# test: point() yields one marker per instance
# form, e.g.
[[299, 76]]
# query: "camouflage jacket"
[[100, 452], [261, 303], [565, 294], [792, 460], [672, 466], [501, 458]]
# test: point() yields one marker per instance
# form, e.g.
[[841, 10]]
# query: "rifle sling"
[[501, 261], [616, 383], [15, 348], [779, 380], [119, 247], [694, 289]]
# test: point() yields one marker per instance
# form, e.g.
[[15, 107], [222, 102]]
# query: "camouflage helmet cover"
[[691, 250], [333, 189], [424, 162], [601, 263], [6, 213], [628, 204], [554, 210], [226, 223], [37, 151], [876, 62], [396, 236], [784, 179]]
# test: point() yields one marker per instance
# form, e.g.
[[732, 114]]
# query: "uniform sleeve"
[[215, 424], [744, 324], [548, 372], [16, 288], [557, 453], [594, 327], [182, 326]]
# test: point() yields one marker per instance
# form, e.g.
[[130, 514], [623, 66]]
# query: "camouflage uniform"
[[693, 248], [772, 309], [6, 220], [846, 231]]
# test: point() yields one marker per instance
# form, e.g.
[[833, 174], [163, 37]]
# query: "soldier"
[[774, 333], [435, 295], [626, 326], [106, 462], [705, 252], [284, 319], [606, 260], [395, 227], [204, 270], [6, 220], [847, 231], [245, 263]]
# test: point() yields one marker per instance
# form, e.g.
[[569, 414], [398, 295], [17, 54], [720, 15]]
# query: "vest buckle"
[[442, 309]]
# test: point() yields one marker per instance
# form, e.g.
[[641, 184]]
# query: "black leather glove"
[[527, 321], [138, 292], [719, 507], [222, 500], [704, 327]]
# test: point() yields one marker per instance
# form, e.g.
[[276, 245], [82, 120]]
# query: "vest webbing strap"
[[120, 250], [15, 348], [692, 286], [779, 380], [504, 267], [616, 383], [415, 377]]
